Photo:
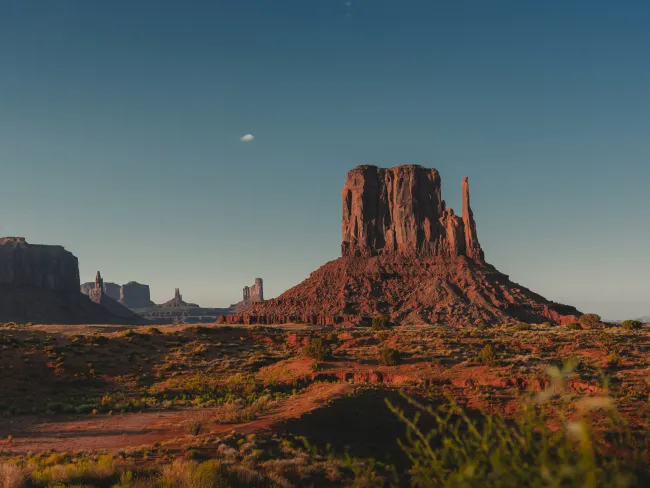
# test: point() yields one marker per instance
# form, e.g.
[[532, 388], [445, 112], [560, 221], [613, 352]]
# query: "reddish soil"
[[112, 432]]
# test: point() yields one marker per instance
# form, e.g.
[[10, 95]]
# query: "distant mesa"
[[40, 284], [135, 295], [405, 254]]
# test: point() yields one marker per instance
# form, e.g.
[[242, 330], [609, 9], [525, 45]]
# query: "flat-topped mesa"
[[39, 266], [400, 211]]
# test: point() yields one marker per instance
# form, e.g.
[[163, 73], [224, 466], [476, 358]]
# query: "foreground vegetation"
[[516, 405], [556, 439]]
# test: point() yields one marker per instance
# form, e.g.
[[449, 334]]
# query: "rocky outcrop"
[[253, 294], [99, 296], [111, 289], [472, 247], [177, 302], [401, 211], [46, 267], [406, 255], [40, 284], [135, 295]]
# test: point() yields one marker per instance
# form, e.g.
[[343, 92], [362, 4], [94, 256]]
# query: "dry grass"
[[236, 411], [12, 476]]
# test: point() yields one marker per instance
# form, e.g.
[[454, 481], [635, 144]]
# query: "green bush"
[[487, 356], [381, 322], [465, 448], [589, 320], [575, 326], [613, 359], [317, 349], [631, 324], [389, 356]]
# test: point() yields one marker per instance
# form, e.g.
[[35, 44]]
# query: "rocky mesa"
[[407, 255], [40, 284]]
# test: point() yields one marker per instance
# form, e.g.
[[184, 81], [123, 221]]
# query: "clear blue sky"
[[120, 126]]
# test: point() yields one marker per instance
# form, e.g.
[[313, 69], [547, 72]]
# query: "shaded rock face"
[[135, 295], [47, 267], [406, 255], [401, 211], [40, 284]]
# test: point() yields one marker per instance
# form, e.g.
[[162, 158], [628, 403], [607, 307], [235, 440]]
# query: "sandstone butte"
[[40, 284], [405, 254]]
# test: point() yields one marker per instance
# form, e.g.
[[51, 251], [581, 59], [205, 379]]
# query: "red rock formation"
[[400, 211], [405, 254], [472, 247]]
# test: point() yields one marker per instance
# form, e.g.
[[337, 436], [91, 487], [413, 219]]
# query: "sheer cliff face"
[[47, 267], [400, 211]]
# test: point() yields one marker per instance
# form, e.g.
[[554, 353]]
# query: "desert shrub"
[[195, 426], [589, 320], [316, 366], [12, 476], [62, 471], [317, 349], [632, 324], [389, 357], [523, 326], [237, 411], [382, 335], [575, 326], [613, 359], [486, 355], [479, 449], [154, 330], [381, 322], [191, 454]]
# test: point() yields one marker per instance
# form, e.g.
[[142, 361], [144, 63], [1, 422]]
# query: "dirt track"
[[112, 432]]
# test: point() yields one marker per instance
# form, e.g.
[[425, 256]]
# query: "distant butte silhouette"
[[405, 254]]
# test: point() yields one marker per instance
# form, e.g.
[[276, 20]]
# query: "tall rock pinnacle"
[[472, 247], [400, 211]]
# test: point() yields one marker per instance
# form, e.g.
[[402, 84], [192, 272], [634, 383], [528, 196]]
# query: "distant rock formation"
[[406, 255], [253, 294], [178, 311], [176, 302], [135, 295], [132, 295], [40, 284], [110, 289], [100, 297]]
